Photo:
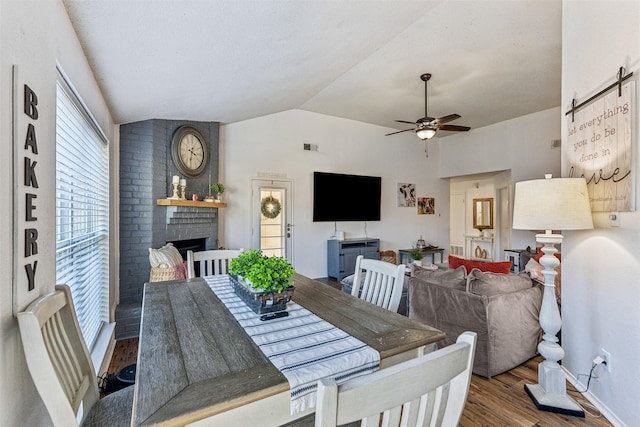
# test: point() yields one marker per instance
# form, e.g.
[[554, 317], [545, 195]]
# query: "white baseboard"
[[604, 410]]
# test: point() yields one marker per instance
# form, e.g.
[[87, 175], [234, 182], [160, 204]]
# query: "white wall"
[[33, 35], [600, 291], [274, 144]]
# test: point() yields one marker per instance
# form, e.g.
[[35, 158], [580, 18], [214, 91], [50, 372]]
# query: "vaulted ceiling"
[[233, 60]]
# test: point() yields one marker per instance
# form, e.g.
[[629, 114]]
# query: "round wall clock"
[[189, 151]]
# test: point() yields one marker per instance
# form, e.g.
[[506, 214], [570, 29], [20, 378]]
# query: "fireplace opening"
[[194, 245]]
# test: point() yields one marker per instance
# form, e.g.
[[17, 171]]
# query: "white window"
[[82, 211]]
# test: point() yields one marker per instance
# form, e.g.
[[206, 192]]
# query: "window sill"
[[103, 348]]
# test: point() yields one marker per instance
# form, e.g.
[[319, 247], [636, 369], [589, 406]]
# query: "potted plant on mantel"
[[218, 188], [262, 282], [416, 255]]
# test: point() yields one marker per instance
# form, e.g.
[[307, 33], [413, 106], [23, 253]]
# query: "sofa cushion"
[[489, 284], [454, 278], [495, 267]]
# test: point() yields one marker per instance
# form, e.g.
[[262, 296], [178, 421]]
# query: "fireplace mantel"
[[191, 203]]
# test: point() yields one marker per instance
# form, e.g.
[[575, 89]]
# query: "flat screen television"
[[340, 197]]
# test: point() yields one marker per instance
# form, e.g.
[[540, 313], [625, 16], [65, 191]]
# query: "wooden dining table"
[[197, 366]]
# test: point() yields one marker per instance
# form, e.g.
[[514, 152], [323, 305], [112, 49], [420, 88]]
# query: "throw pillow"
[[451, 278], [167, 255], [503, 267], [534, 269], [181, 271], [489, 284]]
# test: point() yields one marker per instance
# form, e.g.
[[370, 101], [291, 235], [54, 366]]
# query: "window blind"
[[82, 211]]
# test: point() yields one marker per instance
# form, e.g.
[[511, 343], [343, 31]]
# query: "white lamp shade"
[[552, 204]]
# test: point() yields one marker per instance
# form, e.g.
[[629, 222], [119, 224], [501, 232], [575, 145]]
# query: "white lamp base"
[[557, 403], [550, 394]]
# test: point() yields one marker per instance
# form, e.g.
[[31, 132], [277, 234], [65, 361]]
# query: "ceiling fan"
[[426, 127]]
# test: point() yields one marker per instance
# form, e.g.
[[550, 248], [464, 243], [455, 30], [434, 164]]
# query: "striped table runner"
[[302, 346]]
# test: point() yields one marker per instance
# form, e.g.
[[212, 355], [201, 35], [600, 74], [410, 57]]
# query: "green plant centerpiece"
[[218, 188], [263, 282]]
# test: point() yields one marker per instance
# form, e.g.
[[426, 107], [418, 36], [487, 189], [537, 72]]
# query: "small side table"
[[402, 253]]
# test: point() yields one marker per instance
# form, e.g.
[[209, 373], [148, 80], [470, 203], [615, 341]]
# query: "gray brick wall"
[[146, 169]]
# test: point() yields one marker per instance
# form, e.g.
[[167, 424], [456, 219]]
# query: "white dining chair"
[[61, 367], [378, 282], [211, 262], [430, 390]]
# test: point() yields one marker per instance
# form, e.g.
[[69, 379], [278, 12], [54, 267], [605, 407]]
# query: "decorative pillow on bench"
[[503, 267]]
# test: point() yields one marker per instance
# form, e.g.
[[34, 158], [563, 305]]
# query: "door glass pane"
[[272, 226]]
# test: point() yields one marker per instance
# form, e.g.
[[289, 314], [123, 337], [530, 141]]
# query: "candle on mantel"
[[175, 179], [183, 182]]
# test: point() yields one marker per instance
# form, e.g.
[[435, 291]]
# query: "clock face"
[[189, 151]]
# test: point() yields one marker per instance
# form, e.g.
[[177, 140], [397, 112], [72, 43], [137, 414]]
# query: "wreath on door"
[[270, 207]]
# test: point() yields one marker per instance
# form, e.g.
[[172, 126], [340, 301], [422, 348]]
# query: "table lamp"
[[551, 204]]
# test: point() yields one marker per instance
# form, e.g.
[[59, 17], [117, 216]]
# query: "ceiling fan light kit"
[[425, 132], [426, 127]]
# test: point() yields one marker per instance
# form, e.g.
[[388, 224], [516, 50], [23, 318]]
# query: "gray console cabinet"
[[342, 254]]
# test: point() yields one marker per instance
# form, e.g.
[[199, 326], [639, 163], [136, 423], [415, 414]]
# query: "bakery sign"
[[600, 147], [25, 193]]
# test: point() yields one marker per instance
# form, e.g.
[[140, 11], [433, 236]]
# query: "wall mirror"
[[483, 213]]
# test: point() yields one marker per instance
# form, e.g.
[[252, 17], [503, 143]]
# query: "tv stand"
[[342, 254]]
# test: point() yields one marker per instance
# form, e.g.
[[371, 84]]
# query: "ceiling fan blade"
[[400, 131], [404, 121], [449, 118], [454, 128]]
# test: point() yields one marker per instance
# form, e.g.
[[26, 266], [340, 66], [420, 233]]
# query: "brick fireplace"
[[146, 169]]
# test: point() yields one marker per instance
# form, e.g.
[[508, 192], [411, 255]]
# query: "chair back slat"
[[210, 263], [65, 360], [427, 391], [57, 357], [378, 282]]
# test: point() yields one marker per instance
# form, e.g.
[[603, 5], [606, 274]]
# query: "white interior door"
[[272, 214]]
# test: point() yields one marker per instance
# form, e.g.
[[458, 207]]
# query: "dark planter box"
[[262, 302]]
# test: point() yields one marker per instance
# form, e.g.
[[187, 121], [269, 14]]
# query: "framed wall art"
[[406, 195], [426, 206]]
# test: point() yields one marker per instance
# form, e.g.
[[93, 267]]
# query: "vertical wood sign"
[[25, 193], [599, 148]]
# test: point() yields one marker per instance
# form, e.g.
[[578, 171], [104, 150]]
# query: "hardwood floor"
[[498, 402]]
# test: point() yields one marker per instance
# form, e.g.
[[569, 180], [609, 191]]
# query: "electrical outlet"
[[607, 359]]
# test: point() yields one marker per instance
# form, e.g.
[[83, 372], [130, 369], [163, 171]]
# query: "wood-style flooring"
[[498, 402]]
